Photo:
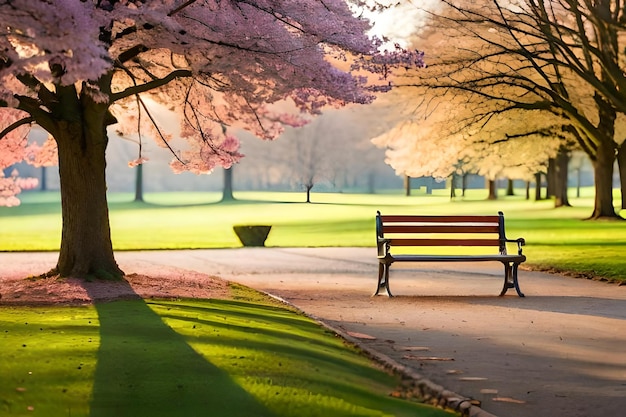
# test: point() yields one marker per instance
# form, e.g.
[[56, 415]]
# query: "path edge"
[[428, 391]]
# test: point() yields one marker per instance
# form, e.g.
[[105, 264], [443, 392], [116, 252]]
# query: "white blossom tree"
[[564, 58]]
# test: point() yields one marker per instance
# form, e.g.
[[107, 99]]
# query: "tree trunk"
[[464, 184], [44, 179], [139, 183], [86, 248], [527, 190], [604, 160], [560, 179], [551, 178], [621, 164], [509, 187], [227, 192], [493, 190], [308, 193], [603, 171], [452, 187], [407, 185], [538, 186]]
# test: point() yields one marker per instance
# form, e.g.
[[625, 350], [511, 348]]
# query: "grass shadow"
[[145, 368]]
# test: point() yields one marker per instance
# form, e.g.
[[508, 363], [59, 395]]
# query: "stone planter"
[[252, 235]]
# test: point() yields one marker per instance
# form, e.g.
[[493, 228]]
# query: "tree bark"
[[561, 164], [603, 171], [493, 190], [604, 160], [86, 248]]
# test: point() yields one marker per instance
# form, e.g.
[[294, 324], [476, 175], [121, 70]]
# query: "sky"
[[403, 22]]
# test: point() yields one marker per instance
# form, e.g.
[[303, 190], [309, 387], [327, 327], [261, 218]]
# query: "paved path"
[[561, 351]]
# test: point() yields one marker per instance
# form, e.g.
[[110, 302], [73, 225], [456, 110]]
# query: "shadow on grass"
[[146, 369]]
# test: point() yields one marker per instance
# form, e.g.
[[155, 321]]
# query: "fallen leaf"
[[488, 391], [361, 336], [427, 358], [415, 348], [508, 400]]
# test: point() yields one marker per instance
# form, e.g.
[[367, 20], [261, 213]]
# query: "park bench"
[[421, 233]]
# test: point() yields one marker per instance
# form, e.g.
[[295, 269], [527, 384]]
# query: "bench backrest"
[[463, 230]]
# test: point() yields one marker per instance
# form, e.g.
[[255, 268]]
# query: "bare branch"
[[156, 126], [15, 125]]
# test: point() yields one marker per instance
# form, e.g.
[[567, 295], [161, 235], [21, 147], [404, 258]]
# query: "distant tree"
[[227, 189], [313, 155], [443, 142], [74, 67], [139, 183], [333, 149], [510, 190], [561, 178]]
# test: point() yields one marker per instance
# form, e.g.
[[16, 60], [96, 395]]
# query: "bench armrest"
[[520, 242], [383, 246]]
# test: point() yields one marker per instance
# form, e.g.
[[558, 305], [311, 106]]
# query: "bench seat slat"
[[458, 258], [443, 242], [440, 228], [390, 218]]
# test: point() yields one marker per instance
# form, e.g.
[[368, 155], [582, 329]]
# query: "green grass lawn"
[[242, 357], [558, 239], [245, 356]]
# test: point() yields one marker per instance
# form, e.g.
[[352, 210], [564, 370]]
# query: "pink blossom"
[[138, 161], [12, 186], [13, 145], [226, 63], [44, 155]]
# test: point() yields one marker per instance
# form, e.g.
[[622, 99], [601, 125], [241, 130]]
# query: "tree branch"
[[181, 7], [156, 126], [130, 91], [15, 125], [131, 53]]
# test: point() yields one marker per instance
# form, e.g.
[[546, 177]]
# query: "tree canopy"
[[511, 60], [75, 67]]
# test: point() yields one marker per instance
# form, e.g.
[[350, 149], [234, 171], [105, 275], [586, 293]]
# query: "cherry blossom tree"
[[75, 67]]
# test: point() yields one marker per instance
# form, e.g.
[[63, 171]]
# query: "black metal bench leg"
[[507, 274], [515, 282], [510, 278], [383, 279], [381, 271]]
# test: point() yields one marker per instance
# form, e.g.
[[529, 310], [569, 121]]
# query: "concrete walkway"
[[559, 352]]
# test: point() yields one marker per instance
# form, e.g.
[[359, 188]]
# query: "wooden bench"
[[445, 231]]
